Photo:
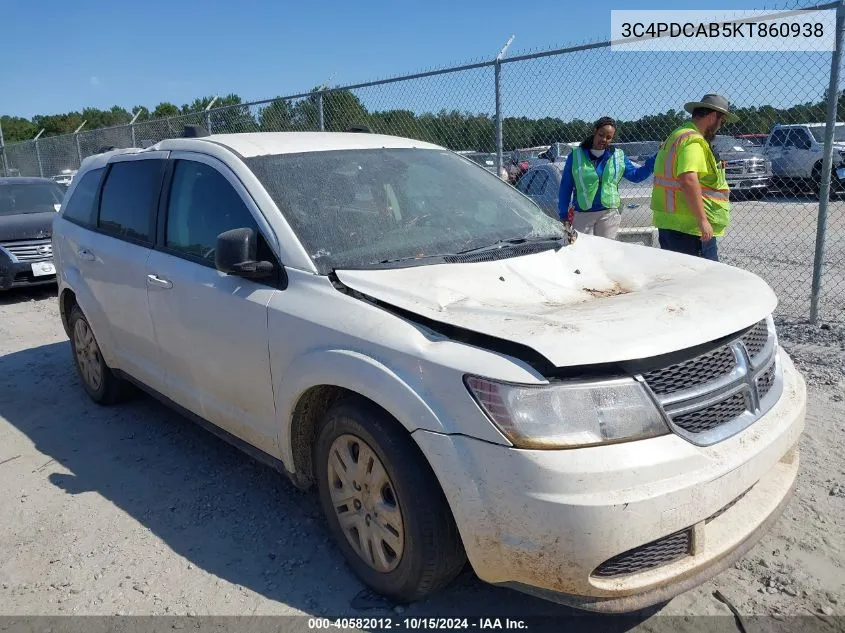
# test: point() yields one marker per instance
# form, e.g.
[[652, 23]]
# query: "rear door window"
[[537, 186], [129, 200]]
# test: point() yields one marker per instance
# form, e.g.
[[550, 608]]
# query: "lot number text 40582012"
[[431, 624]]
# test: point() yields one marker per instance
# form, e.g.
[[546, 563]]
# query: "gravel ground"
[[135, 510]]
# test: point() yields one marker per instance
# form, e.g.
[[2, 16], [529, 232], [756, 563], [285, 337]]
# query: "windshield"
[[358, 208], [34, 197], [838, 133], [732, 144]]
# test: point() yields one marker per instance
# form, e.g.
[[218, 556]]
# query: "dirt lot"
[[134, 510]]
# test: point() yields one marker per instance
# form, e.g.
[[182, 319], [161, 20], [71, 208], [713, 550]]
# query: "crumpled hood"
[[595, 301]]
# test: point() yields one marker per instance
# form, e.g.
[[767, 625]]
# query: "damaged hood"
[[595, 301]]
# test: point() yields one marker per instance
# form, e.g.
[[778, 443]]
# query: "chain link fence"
[[510, 110]]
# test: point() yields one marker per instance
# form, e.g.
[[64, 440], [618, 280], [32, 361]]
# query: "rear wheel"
[[835, 187], [99, 381], [383, 504]]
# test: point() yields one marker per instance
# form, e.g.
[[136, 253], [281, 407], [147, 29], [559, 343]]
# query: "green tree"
[[277, 116], [164, 109], [17, 129]]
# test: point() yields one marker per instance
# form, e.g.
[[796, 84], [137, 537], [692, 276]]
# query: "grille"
[[765, 382], [30, 250], [648, 556], [755, 339], [734, 168], [712, 416], [691, 373]]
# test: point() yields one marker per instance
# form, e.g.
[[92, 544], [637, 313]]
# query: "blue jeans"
[[689, 244]]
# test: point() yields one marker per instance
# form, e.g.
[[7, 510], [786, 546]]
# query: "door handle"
[[155, 280], [85, 254]]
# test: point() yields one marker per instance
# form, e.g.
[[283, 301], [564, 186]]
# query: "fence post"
[[321, 121], [497, 73], [208, 115], [132, 126], [827, 163], [78, 145], [3, 152], [38, 153]]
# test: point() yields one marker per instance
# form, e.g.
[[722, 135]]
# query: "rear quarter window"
[[129, 199], [81, 208]]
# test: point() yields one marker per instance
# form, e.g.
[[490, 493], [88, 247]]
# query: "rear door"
[[212, 327], [112, 259], [799, 154]]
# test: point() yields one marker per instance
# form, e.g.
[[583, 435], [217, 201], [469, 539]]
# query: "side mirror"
[[236, 255]]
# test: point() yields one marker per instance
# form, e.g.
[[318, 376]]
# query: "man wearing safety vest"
[[690, 201]]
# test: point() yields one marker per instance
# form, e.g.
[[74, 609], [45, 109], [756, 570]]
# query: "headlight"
[[568, 415]]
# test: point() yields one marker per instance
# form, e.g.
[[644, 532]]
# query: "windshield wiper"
[[514, 242], [410, 258]]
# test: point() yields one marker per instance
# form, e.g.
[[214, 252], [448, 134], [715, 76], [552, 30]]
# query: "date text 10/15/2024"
[[406, 624]]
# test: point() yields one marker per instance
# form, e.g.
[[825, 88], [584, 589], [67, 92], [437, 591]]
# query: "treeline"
[[457, 130]]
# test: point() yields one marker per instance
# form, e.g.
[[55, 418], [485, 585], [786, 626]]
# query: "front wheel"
[[384, 506], [97, 378]]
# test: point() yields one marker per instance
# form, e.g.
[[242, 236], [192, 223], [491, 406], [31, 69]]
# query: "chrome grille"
[[715, 395], [734, 167], [655, 554], [30, 250], [756, 338], [712, 416]]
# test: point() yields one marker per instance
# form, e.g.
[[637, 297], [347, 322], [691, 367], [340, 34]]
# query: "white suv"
[[594, 422]]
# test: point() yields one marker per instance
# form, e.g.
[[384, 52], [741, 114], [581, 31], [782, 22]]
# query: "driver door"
[[212, 327]]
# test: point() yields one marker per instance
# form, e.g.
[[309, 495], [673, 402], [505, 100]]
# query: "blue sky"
[[61, 56]]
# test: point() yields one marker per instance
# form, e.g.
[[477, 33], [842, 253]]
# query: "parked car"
[[486, 160], [521, 160], [542, 185], [459, 375], [747, 169], [64, 178], [796, 152], [27, 209]]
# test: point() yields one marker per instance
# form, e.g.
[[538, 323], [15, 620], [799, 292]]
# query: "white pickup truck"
[[796, 153]]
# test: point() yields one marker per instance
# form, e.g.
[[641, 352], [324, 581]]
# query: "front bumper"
[[747, 183], [18, 274], [544, 521]]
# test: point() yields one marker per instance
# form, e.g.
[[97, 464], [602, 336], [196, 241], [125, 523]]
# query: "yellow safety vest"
[[668, 203]]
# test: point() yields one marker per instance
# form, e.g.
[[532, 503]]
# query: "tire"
[[817, 183], [427, 552], [98, 380]]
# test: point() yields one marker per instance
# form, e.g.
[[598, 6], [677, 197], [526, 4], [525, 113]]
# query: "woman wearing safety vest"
[[591, 178]]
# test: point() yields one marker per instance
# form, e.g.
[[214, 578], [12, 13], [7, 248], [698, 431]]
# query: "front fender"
[[358, 373]]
